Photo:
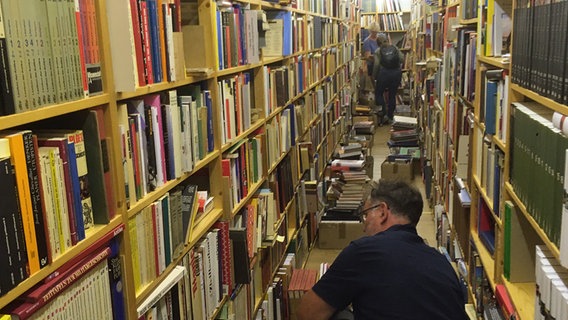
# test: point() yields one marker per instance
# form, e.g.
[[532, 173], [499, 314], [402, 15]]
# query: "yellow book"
[[18, 159], [134, 252], [489, 28]]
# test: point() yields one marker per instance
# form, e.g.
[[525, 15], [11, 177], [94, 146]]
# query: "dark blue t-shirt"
[[393, 275]]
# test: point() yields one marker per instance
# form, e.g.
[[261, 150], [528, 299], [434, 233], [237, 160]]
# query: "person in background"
[[391, 273], [370, 46], [387, 73]]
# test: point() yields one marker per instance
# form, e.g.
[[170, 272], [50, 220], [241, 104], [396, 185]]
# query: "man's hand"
[[312, 307]]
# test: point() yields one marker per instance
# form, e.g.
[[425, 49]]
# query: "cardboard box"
[[338, 234], [401, 170]]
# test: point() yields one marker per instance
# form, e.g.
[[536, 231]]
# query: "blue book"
[[219, 39], [155, 40], [115, 278], [76, 187], [490, 106]]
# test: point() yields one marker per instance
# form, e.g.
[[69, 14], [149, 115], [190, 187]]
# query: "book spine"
[[137, 35], [161, 33], [6, 90], [36, 199], [146, 43], [106, 156], [79, 21], [9, 275], [83, 179], [18, 158]]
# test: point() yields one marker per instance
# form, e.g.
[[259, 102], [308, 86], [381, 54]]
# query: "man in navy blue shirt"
[[391, 273]]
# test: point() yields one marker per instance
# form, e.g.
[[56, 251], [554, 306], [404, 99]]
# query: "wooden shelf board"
[[468, 21], [494, 61], [203, 224], [522, 294], [50, 111], [243, 135], [551, 245], [486, 258], [154, 195], [540, 99], [159, 87], [488, 201]]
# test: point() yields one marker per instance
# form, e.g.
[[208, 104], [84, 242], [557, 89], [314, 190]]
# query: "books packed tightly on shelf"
[[171, 176]]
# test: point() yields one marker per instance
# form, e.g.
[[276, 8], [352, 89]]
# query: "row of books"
[[537, 144], [539, 55], [91, 283], [146, 42], [491, 176], [242, 167], [237, 35], [335, 8], [550, 279], [55, 189], [387, 22], [163, 137], [384, 5], [465, 63], [497, 29], [62, 48], [159, 232], [494, 97], [194, 288], [282, 83], [238, 112]]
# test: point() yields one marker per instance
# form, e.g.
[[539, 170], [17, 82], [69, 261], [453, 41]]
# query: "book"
[[18, 160], [14, 270], [67, 151], [189, 210]]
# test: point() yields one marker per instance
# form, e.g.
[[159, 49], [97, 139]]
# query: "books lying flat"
[[404, 122]]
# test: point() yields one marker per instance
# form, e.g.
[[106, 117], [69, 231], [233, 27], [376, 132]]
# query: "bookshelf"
[[505, 79], [300, 94]]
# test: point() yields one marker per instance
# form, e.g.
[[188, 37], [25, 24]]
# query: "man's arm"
[[312, 307]]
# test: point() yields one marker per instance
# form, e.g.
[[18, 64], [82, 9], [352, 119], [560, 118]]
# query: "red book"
[[504, 301], [251, 228], [137, 34], [100, 242], [81, 39], [225, 255]]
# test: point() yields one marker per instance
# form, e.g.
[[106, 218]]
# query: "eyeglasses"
[[363, 213]]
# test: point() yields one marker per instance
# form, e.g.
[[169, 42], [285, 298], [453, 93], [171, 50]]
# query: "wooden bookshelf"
[[338, 56]]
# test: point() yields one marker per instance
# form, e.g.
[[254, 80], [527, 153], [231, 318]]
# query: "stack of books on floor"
[[351, 150], [404, 132], [347, 188]]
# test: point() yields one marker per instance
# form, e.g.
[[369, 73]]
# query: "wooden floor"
[[426, 226]]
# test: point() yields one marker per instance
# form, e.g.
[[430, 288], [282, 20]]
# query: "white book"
[[158, 146], [49, 201], [61, 197], [207, 278], [185, 102], [122, 46], [159, 236], [171, 279]]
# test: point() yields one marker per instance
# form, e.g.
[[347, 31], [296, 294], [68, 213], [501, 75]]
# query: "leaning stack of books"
[[404, 132]]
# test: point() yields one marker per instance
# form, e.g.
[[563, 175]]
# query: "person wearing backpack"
[[387, 74]]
